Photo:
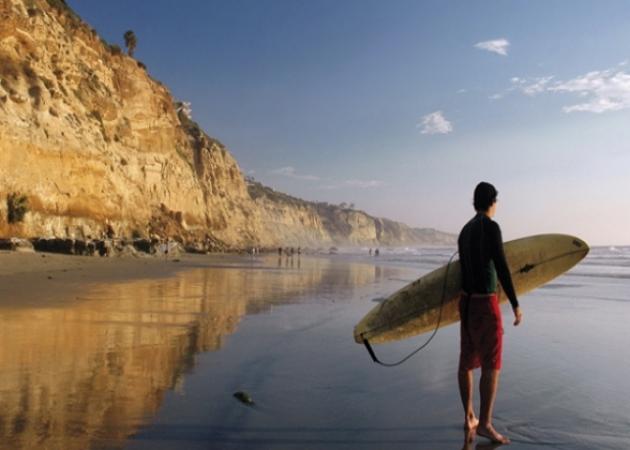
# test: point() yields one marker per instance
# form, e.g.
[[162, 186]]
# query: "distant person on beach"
[[279, 250], [376, 252], [166, 244], [482, 261], [370, 252]]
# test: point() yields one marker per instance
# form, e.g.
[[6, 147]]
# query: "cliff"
[[95, 146], [314, 224]]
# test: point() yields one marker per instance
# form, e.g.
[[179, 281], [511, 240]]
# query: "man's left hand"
[[518, 316]]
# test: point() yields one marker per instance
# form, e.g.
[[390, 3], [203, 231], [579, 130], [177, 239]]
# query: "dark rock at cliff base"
[[16, 244], [145, 245], [54, 245]]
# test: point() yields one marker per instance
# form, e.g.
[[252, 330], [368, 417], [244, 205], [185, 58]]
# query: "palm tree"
[[130, 42]]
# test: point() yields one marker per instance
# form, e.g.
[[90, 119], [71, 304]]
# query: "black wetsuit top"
[[482, 258]]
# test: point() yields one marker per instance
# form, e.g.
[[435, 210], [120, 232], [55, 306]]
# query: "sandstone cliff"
[[96, 146], [314, 224]]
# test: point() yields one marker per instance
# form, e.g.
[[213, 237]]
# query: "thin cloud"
[[528, 86], [605, 90], [498, 46], [532, 86], [435, 123], [601, 90], [289, 171], [357, 184], [364, 184]]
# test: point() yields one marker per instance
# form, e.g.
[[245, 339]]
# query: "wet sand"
[[143, 354], [36, 278]]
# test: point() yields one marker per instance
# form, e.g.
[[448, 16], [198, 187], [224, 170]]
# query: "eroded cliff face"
[[306, 223], [94, 142], [96, 146]]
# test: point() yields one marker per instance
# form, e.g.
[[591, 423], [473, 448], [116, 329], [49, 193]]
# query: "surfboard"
[[414, 309]]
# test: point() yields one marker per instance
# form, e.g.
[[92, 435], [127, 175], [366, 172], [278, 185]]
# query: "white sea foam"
[[604, 261]]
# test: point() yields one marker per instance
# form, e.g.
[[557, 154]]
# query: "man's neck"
[[485, 213]]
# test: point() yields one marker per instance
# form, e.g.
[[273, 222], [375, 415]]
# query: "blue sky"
[[401, 107]]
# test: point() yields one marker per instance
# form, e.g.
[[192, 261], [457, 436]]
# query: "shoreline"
[[27, 277]]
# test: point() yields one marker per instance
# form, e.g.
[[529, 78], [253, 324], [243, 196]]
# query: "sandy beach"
[[146, 354]]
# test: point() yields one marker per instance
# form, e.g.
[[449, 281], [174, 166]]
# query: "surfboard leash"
[[437, 326]]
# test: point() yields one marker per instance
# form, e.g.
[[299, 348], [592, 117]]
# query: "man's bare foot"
[[469, 439], [470, 424], [489, 432]]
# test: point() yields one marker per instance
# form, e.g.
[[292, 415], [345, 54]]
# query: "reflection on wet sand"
[[86, 375], [484, 444]]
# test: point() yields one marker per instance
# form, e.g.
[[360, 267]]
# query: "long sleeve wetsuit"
[[482, 258]]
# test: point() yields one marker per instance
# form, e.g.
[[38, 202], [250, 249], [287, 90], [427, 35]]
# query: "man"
[[482, 260]]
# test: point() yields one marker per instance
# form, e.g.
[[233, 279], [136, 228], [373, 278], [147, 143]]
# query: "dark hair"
[[485, 196]]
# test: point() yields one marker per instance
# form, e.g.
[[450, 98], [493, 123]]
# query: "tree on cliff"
[[130, 42]]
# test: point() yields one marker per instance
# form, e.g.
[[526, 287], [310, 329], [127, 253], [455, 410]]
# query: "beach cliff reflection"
[[87, 373]]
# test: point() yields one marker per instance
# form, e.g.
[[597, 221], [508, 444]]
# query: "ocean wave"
[[601, 262], [620, 276], [606, 263]]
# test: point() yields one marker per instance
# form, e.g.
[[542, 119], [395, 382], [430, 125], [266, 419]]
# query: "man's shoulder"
[[494, 224], [466, 227], [480, 220], [488, 222], [492, 227]]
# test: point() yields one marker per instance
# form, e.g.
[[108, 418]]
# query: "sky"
[[402, 107]]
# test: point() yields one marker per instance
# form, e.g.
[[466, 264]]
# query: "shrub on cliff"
[[115, 49], [17, 207], [60, 5], [36, 94], [257, 190]]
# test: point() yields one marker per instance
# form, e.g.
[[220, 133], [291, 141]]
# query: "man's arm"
[[500, 264]]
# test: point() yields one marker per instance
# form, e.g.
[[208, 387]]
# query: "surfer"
[[482, 261]]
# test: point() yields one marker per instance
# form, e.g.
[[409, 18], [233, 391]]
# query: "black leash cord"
[[437, 326]]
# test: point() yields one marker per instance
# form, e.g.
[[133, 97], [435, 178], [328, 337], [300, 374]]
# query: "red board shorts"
[[481, 332]]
